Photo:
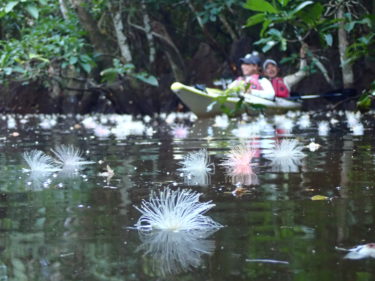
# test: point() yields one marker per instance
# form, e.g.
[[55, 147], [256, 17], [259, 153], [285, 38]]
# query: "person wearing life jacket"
[[283, 85], [259, 85]]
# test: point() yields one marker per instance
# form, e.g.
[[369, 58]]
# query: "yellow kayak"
[[202, 103]]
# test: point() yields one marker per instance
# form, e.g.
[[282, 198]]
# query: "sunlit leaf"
[[86, 67], [328, 39], [258, 18], [33, 11], [260, 6], [301, 6], [9, 7], [284, 2], [73, 60], [144, 77]]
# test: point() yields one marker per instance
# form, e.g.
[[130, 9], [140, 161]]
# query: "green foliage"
[[120, 69], [285, 22], [366, 100], [50, 45], [237, 92]]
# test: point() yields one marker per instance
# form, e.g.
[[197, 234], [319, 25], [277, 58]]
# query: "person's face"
[[249, 69], [271, 70]]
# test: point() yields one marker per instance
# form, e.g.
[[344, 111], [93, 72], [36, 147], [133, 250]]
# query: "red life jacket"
[[281, 90], [253, 80]]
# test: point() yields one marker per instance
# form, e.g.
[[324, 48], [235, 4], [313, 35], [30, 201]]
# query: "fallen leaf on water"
[[319, 197]]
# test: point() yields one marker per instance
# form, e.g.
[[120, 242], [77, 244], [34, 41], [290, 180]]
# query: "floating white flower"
[[312, 146], [286, 156], [304, 122], [196, 163], [323, 128], [176, 252], [178, 210], [221, 121], [360, 252], [38, 161], [357, 129], [70, 157]]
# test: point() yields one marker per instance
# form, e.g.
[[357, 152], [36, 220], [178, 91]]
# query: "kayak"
[[202, 101]]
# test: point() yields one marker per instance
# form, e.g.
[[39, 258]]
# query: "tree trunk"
[[346, 68], [122, 39], [90, 25], [149, 36], [63, 9]]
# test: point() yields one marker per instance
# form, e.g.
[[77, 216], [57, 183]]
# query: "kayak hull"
[[201, 103]]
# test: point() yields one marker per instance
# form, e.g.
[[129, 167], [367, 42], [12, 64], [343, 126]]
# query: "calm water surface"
[[76, 227]]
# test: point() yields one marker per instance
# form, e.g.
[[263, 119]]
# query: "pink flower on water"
[[239, 166], [180, 131], [238, 160]]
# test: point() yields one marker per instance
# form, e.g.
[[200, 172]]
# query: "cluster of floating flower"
[[173, 225]]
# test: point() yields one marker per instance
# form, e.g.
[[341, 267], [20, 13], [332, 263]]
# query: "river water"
[[288, 220]]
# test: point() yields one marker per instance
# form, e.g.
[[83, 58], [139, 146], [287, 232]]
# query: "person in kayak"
[[283, 85], [252, 80]]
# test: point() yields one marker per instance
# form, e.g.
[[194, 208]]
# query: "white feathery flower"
[[176, 252], [244, 131], [196, 163], [69, 156], [286, 156], [38, 161], [178, 210], [221, 121], [304, 122], [357, 129], [323, 128]]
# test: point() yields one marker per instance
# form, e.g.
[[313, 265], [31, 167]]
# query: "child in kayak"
[[257, 85]]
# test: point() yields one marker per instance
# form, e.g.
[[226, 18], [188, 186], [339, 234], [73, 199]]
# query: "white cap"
[[267, 61]]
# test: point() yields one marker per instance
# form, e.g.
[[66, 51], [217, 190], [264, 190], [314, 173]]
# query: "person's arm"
[[267, 93], [293, 79]]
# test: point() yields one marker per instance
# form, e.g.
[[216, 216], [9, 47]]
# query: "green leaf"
[[301, 6], [284, 2], [9, 7], [312, 14], [33, 11], [73, 60], [260, 6], [145, 77], [328, 39], [86, 67], [253, 20]]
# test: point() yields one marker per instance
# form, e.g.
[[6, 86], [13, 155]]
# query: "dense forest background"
[[77, 56]]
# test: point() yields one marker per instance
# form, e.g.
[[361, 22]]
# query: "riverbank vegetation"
[[121, 56]]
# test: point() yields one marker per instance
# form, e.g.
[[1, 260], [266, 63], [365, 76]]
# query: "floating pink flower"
[[180, 131]]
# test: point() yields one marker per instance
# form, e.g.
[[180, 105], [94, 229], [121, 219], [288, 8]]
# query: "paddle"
[[329, 95]]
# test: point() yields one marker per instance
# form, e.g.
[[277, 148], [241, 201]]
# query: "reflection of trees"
[[176, 252]]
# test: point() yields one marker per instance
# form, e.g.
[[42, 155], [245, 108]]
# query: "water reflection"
[[39, 180], [176, 252], [76, 232]]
